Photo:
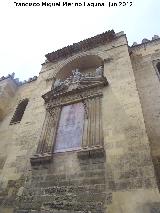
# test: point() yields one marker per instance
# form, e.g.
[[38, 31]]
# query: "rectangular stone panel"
[[70, 128]]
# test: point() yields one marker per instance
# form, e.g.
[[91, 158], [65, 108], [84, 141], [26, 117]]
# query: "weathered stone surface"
[[116, 176]]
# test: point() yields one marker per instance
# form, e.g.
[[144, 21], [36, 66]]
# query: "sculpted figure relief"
[[76, 78], [76, 75], [57, 83], [99, 71]]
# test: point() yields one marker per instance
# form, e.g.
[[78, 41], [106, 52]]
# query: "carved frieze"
[[69, 98]]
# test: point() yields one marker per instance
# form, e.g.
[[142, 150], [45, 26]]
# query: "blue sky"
[[28, 33]]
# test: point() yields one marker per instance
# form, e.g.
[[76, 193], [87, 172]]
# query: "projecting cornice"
[[84, 45]]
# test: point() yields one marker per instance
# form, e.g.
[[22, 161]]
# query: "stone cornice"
[[84, 45]]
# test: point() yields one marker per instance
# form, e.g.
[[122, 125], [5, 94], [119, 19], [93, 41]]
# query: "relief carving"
[[77, 82], [74, 97]]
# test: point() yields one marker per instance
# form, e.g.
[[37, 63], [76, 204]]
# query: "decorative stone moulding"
[[77, 88], [91, 152], [40, 159]]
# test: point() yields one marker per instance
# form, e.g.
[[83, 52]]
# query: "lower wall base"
[[72, 185], [135, 201]]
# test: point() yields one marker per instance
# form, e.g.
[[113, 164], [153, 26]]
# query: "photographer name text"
[[73, 4]]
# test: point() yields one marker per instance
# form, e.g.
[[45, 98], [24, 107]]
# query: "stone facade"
[[116, 168]]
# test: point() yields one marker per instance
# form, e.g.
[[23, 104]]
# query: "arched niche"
[[85, 64]]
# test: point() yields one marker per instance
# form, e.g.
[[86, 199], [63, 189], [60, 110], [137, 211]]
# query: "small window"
[[158, 67], [17, 117]]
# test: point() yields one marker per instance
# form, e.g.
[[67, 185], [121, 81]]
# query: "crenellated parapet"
[[16, 80], [145, 41]]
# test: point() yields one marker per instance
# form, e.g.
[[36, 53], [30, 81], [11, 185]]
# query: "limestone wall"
[[127, 148], [144, 59], [123, 182], [7, 91]]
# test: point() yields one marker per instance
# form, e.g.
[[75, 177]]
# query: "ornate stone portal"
[[73, 122], [82, 94]]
